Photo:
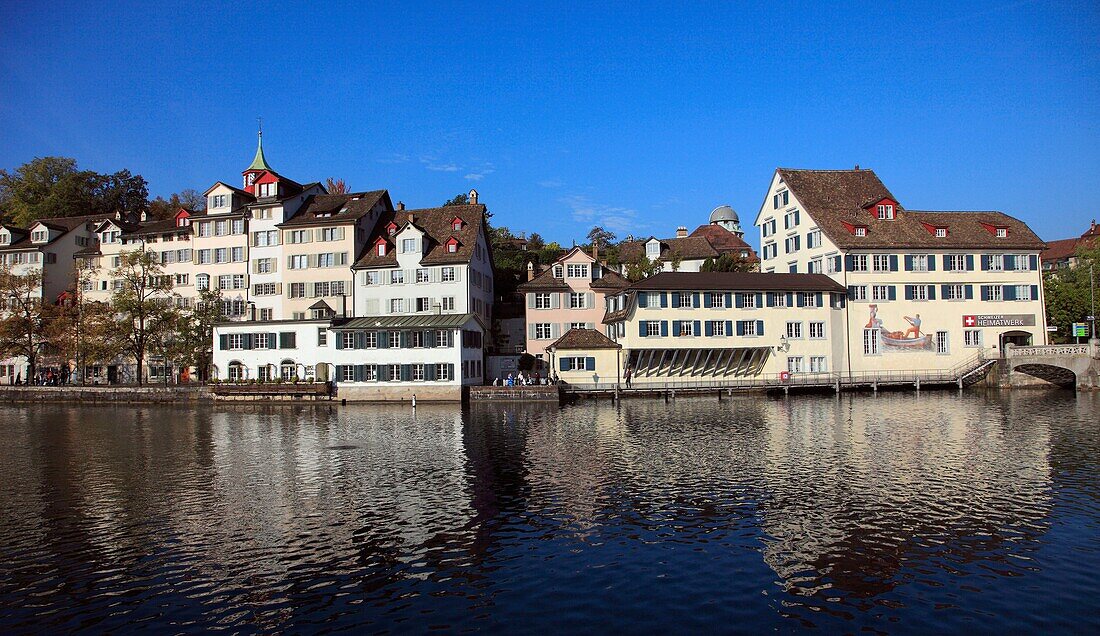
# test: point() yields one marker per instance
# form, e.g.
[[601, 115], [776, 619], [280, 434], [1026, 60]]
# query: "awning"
[[424, 321]]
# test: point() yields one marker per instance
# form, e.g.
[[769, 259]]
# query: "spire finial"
[[260, 161]]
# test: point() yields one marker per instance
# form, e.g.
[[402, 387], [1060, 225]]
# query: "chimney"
[[411, 217], [857, 166], [473, 197], [681, 232], [400, 206], [596, 251], [530, 270]]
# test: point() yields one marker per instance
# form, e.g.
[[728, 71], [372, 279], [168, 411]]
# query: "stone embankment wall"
[[514, 393], [122, 394], [423, 393]]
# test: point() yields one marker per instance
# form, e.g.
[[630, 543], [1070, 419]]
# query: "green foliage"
[[189, 199], [23, 326], [458, 199], [53, 187], [640, 268], [600, 237], [729, 262], [675, 259], [1068, 294], [143, 305]]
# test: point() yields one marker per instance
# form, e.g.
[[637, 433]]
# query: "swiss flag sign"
[[970, 321]]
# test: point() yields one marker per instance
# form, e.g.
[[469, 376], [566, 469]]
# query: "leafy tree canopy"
[[458, 199], [729, 262], [54, 187], [600, 237], [189, 199], [1068, 293]]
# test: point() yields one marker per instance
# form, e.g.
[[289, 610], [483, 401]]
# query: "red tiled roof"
[[583, 339], [437, 228]]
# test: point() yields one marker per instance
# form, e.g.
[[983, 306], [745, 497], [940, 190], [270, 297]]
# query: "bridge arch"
[[1056, 375]]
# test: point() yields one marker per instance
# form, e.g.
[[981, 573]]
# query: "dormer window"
[[408, 245], [941, 232], [381, 249], [885, 211], [452, 245], [40, 236], [268, 189], [860, 231], [5, 239], [219, 201], [1002, 232], [653, 250], [391, 229], [559, 271], [456, 224]]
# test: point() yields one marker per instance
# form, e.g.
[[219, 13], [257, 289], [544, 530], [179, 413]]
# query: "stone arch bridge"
[[1071, 366]]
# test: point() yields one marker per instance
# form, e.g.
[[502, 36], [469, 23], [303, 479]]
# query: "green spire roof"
[[259, 162]]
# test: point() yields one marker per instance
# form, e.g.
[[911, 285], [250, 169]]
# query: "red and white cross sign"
[[970, 321]]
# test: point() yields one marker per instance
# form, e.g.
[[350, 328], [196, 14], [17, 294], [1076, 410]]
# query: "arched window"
[[202, 281], [288, 369], [237, 371]]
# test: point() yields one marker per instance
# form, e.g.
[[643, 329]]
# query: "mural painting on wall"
[[909, 339]]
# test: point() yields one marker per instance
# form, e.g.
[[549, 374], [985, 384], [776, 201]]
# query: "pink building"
[[569, 294]]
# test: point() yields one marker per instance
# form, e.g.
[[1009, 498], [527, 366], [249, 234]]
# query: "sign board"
[[1052, 328], [999, 320], [1080, 329]]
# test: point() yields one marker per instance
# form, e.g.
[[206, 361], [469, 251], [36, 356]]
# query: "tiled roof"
[[1063, 249], [610, 281], [583, 339], [737, 281], [723, 240], [543, 282], [836, 200], [323, 209], [436, 223], [690, 247]]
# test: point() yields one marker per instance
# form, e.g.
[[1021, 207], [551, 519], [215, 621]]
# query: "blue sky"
[[639, 117]]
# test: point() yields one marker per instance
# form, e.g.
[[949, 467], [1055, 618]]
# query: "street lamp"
[[784, 345]]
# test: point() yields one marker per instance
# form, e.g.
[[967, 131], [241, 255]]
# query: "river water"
[[892, 513]]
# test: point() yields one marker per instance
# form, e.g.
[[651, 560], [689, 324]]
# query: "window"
[[653, 250], [297, 290], [956, 263], [815, 266], [880, 262], [790, 219], [322, 337], [262, 341], [652, 328], [880, 292], [771, 250], [381, 249], [238, 226], [718, 327], [237, 254], [872, 342], [972, 338], [265, 239], [769, 227], [717, 300], [542, 301], [941, 232], [423, 304], [1023, 292], [748, 327], [395, 339], [576, 271], [219, 201], [266, 314], [542, 331], [686, 328], [683, 300], [202, 281], [780, 299], [885, 211], [236, 341], [860, 231], [918, 292], [813, 239], [818, 364], [397, 277], [444, 339], [321, 289], [817, 330], [780, 199], [448, 303], [452, 246], [920, 262], [559, 271], [268, 189], [221, 228], [1002, 232], [794, 364], [443, 372], [397, 305], [408, 245], [204, 257], [40, 236], [996, 262], [221, 255], [859, 262], [792, 244], [423, 275], [326, 260], [994, 292], [264, 289], [331, 234], [181, 279], [941, 343], [953, 292], [264, 265], [577, 300], [748, 301], [448, 274], [225, 281], [794, 330]]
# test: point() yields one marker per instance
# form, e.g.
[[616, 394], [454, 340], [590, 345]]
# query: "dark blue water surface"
[[894, 513]]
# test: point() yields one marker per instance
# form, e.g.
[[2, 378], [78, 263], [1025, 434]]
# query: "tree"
[[48, 187], [600, 237], [640, 268], [189, 199], [728, 262], [195, 336], [535, 242], [142, 304], [675, 259], [1068, 293], [458, 199], [83, 333], [336, 186], [23, 326]]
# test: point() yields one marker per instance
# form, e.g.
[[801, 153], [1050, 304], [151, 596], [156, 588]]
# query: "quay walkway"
[[965, 374]]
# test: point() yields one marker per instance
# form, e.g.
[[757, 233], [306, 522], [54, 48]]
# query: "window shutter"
[[1035, 292], [819, 299], [931, 262], [339, 340], [429, 372], [664, 328], [892, 292], [406, 371], [908, 263], [675, 299], [740, 301], [759, 299], [986, 261], [590, 364], [836, 263], [383, 340], [590, 300], [848, 262], [729, 327], [790, 299], [563, 364], [429, 339], [272, 340], [931, 292], [403, 339], [342, 258], [530, 301], [909, 292], [643, 300], [800, 300], [555, 330], [664, 299], [770, 299], [709, 328], [641, 328], [530, 331], [695, 300], [1008, 292], [985, 292], [1033, 262], [969, 262], [759, 327], [729, 300], [707, 303], [968, 292], [944, 290], [675, 327], [697, 328], [246, 340], [554, 301], [451, 371], [289, 262], [740, 327], [340, 371], [223, 342]]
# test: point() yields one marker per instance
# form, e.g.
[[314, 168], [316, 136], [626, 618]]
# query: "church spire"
[[259, 162]]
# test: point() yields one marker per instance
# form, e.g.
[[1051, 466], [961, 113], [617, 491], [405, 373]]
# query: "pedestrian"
[[628, 377]]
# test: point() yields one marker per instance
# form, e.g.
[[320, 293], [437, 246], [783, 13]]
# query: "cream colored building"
[[926, 290]]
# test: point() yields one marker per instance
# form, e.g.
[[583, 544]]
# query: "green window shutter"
[[339, 339], [272, 340], [223, 342], [641, 330], [969, 262], [589, 364], [759, 327], [246, 340], [563, 364], [893, 262]]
